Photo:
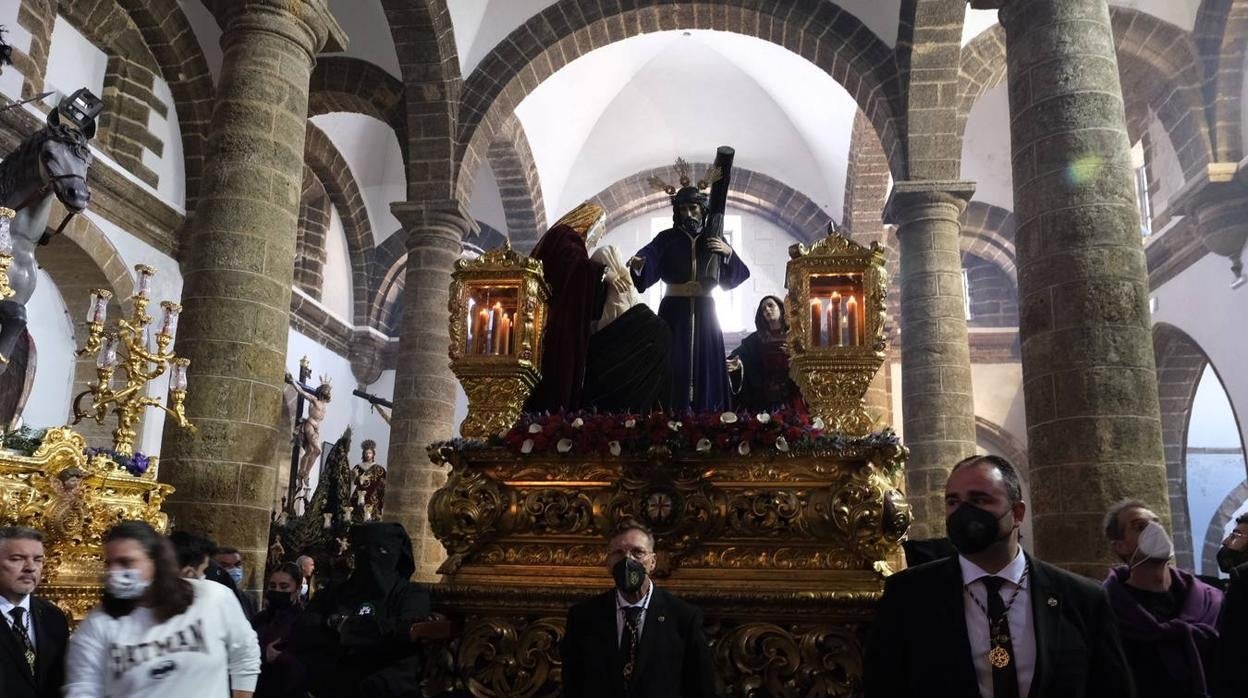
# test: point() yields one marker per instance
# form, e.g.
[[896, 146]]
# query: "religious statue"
[[759, 368], [52, 161], [628, 366], [368, 485], [69, 513], [309, 429], [692, 259], [576, 291]]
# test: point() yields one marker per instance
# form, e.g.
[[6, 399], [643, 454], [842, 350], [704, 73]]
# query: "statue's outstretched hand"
[[636, 263], [622, 284], [720, 247]]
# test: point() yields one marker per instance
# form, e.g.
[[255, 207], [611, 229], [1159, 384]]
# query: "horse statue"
[[53, 161]]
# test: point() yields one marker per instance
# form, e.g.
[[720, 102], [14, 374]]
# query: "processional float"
[[780, 526]]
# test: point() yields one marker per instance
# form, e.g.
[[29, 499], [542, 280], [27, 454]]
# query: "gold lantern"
[[836, 291], [498, 313]]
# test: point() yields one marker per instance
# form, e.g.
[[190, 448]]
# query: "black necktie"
[[23, 638], [1004, 676], [630, 640]]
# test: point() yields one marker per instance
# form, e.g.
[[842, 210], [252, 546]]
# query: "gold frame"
[[834, 379]]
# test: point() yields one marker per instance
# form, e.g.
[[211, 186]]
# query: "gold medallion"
[[999, 657]]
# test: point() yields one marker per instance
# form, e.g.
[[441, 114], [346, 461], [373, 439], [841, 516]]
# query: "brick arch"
[[1180, 364], [993, 295], [820, 32], [511, 159], [327, 164], [1221, 35], [345, 84], [988, 233], [386, 280], [1159, 71], [753, 192], [314, 217], [1217, 524], [424, 40]]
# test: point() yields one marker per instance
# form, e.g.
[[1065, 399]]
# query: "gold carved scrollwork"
[[511, 657], [756, 557], [464, 514], [867, 511], [542, 554], [772, 514], [763, 659], [555, 511], [74, 501], [682, 508], [497, 395]]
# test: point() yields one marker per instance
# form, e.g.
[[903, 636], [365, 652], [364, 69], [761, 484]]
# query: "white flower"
[[782, 444], [744, 448], [630, 423], [673, 425], [763, 418], [728, 418], [527, 446], [614, 446], [817, 424], [535, 428], [704, 445], [578, 423], [564, 445]]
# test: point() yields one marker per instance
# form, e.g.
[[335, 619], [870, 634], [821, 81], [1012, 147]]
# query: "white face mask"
[[1153, 544], [125, 584]]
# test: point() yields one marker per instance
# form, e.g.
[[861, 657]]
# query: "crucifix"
[[307, 433]]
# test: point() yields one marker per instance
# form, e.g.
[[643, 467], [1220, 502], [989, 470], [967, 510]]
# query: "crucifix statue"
[[307, 436]]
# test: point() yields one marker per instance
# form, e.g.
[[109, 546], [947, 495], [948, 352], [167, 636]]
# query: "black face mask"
[[629, 575], [972, 530], [278, 600], [1229, 558]]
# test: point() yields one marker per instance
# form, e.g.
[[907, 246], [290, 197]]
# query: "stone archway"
[[1217, 524]]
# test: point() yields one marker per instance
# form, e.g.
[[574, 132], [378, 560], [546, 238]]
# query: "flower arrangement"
[[616, 434], [136, 464]]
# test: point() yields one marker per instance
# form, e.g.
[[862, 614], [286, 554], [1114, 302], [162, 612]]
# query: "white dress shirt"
[[1022, 624], [621, 603], [6, 609]]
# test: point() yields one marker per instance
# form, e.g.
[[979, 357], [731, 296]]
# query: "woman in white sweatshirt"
[[157, 634]]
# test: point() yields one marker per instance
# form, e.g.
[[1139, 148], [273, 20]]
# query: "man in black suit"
[[635, 641], [34, 634], [1233, 626], [992, 621]]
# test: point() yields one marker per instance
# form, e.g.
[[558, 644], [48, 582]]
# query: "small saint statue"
[[368, 485], [309, 429], [759, 368]]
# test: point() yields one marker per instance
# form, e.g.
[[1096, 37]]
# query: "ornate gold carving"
[[464, 514], [757, 557], [764, 659], [514, 659], [554, 511], [74, 501], [538, 554], [834, 379], [497, 382]]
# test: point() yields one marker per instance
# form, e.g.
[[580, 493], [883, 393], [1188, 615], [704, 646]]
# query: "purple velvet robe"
[[699, 374]]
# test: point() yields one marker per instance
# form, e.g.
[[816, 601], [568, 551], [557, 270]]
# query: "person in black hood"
[[357, 638]]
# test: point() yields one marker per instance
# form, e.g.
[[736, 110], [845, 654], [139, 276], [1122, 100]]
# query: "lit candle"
[[98, 310], [834, 319], [145, 280], [169, 324], [480, 330], [816, 322], [851, 317], [177, 378], [496, 330], [506, 343], [107, 358], [472, 331]]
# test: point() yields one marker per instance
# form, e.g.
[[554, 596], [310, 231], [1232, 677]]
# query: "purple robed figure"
[[699, 375]]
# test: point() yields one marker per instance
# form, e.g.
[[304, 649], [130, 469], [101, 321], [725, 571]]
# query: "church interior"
[[291, 202]]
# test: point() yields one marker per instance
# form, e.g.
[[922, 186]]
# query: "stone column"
[[938, 414], [424, 387], [1089, 377], [238, 264]]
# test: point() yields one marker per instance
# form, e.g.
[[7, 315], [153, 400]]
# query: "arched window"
[[1215, 469]]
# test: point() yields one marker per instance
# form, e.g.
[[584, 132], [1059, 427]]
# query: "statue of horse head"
[[53, 160]]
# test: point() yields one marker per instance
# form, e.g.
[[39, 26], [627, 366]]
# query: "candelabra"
[[6, 251], [143, 357]]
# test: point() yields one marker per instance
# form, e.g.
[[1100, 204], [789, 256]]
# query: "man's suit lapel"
[[1045, 614], [606, 638], [43, 646], [15, 652], [951, 614], [656, 622]]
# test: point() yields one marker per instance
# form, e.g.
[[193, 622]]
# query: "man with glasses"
[[635, 640]]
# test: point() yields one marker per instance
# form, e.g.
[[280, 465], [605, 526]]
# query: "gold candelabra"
[[6, 252], [141, 355]]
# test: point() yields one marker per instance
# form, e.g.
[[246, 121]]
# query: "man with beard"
[[992, 621], [356, 637], [1167, 618], [699, 376], [636, 640], [1233, 626]]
